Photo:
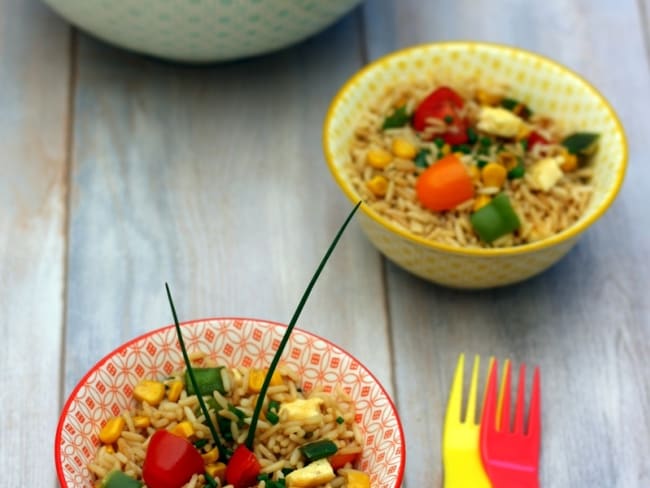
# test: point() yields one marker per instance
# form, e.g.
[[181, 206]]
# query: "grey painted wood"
[[34, 67], [213, 179], [586, 321]]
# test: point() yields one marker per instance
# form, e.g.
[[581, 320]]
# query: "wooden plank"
[[586, 320], [34, 68], [213, 179]]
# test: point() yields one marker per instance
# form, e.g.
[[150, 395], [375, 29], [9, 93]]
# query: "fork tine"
[[534, 419], [488, 418], [519, 404], [471, 400], [455, 402], [504, 399]]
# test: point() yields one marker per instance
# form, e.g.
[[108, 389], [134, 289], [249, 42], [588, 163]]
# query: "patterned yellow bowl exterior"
[[546, 86]]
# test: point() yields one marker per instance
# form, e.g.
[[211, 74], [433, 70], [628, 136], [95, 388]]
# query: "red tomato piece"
[[243, 468], [443, 103], [170, 461], [444, 184], [339, 460], [535, 138]]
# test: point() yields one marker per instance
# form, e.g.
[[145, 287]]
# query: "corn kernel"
[[474, 172], [141, 422], [508, 160], [356, 479], [404, 149], [256, 378], [211, 456], [378, 158], [481, 201], [486, 98], [183, 429], [446, 149], [524, 131], [493, 175], [216, 470], [378, 186], [570, 163], [112, 430], [174, 391], [149, 391]]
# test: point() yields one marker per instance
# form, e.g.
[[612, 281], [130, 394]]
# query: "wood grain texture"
[[34, 50], [213, 179], [586, 321]]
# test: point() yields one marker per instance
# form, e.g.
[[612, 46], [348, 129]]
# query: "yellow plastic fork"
[[461, 451]]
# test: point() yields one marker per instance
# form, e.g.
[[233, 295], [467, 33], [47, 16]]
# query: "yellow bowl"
[[546, 86]]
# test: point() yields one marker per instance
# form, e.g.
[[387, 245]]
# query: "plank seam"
[[645, 20], [69, 160]]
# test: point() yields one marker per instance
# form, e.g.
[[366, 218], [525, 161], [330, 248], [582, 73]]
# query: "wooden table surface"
[[120, 172]]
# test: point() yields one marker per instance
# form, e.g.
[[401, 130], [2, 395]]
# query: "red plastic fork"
[[511, 456]]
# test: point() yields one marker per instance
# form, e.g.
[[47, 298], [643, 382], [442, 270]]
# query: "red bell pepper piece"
[[170, 461], [243, 468], [535, 138], [443, 103], [444, 184], [339, 460]]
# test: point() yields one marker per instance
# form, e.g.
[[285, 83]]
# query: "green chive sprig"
[[285, 338], [188, 364]]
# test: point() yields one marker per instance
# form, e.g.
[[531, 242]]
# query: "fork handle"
[[509, 478]]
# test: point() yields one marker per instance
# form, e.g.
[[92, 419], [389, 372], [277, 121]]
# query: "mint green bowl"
[[202, 31]]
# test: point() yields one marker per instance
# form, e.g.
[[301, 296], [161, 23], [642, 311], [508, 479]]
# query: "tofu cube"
[[545, 173], [314, 474], [499, 122]]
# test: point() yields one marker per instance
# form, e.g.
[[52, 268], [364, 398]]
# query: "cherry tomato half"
[[443, 103]]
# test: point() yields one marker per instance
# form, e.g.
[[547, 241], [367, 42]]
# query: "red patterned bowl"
[[107, 388]]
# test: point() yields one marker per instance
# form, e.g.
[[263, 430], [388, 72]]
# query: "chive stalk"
[[250, 437], [195, 385]]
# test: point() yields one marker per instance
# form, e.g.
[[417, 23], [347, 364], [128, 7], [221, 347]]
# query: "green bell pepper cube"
[[495, 219]]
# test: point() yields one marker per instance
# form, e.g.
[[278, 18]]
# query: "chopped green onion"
[[399, 118], [200, 443], [274, 406], [516, 106], [472, 136], [439, 142], [485, 141], [421, 160], [272, 417], [463, 148], [524, 144], [212, 483], [448, 119], [340, 420], [518, 171], [318, 450], [481, 162]]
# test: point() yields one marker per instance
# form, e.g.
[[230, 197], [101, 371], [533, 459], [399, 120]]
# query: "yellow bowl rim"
[[572, 232]]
